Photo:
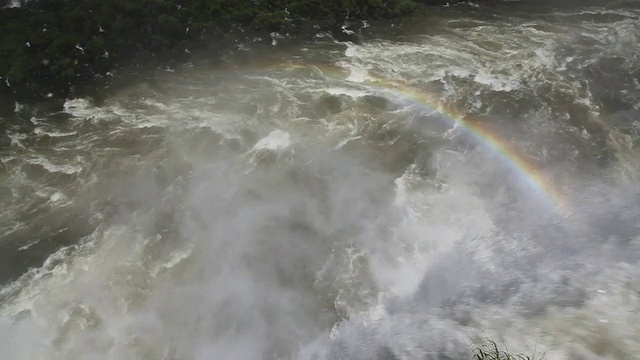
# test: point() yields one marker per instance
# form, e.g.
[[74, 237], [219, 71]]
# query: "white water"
[[281, 212], [16, 3]]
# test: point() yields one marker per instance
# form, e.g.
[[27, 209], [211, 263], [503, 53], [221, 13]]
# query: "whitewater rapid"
[[291, 205]]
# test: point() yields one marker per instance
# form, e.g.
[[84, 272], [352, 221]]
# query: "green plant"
[[491, 351]]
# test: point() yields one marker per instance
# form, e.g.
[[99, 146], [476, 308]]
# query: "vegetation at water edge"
[[51, 46], [491, 351]]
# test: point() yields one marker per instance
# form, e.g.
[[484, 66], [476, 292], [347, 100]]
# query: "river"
[[468, 175]]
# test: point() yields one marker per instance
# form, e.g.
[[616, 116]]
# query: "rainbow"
[[524, 168]]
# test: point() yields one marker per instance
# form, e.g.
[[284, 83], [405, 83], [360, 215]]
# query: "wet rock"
[[378, 103], [328, 104], [385, 353]]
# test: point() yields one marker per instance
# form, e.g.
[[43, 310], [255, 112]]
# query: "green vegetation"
[[490, 351], [51, 46]]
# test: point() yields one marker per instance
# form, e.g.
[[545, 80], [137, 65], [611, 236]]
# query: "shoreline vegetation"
[[61, 48], [489, 350]]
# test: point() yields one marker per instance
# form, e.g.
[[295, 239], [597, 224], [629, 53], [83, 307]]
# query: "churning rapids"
[[302, 202]]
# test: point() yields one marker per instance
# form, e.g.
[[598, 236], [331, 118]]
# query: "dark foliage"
[[51, 46]]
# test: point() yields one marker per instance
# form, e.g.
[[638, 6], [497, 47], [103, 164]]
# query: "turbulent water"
[[15, 3], [289, 206]]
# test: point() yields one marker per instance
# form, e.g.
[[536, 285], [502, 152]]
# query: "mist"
[[303, 210]]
